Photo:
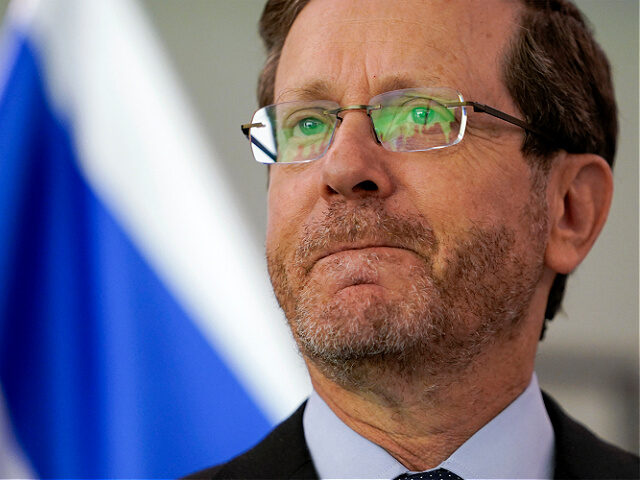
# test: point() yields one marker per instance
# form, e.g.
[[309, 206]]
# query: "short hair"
[[557, 75]]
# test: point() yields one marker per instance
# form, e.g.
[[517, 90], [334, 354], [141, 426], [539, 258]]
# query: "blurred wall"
[[589, 360]]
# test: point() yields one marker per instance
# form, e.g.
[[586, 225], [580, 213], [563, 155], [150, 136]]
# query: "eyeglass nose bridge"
[[367, 108]]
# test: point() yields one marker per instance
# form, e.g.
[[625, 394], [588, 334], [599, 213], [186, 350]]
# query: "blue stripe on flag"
[[104, 373]]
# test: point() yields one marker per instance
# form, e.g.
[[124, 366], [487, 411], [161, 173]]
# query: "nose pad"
[[358, 132], [353, 167], [373, 128], [340, 118]]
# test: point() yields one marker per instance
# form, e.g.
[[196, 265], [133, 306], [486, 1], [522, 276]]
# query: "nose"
[[356, 165]]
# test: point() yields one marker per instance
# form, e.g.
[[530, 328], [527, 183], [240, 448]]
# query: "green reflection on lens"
[[415, 123], [311, 126], [419, 115]]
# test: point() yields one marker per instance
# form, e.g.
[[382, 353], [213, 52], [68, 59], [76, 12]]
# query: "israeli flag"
[[139, 336]]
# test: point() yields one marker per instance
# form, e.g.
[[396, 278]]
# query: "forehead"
[[348, 50]]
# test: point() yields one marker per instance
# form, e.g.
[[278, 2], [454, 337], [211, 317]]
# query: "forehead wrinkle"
[[385, 22], [320, 89], [387, 83]]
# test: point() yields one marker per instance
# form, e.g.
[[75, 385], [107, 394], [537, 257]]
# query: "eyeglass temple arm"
[[245, 130], [482, 108]]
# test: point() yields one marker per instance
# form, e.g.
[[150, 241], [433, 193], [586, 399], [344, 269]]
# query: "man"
[[444, 166]]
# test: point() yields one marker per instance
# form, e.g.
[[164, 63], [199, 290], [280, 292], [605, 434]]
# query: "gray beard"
[[442, 323]]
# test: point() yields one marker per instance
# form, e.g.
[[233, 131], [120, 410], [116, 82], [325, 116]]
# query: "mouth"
[[348, 247], [343, 267]]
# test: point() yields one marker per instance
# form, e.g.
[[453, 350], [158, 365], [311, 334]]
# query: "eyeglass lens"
[[407, 120]]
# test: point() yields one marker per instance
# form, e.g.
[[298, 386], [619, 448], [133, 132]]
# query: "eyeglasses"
[[408, 120]]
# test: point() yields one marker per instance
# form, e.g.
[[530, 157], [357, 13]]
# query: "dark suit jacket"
[[284, 453]]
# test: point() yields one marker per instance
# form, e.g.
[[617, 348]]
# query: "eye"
[[310, 126], [431, 115], [420, 115]]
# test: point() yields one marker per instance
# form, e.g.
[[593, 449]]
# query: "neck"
[[428, 419]]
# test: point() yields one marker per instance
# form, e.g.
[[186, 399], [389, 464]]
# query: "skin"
[[474, 196]]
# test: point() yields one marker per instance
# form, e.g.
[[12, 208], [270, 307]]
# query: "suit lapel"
[[282, 454], [580, 454]]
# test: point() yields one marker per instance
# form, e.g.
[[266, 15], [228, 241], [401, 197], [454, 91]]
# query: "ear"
[[579, 193]]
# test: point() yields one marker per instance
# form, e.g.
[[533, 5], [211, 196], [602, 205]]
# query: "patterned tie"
[[439, 474]]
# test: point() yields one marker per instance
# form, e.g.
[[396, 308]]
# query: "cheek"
[[465, 192], [469, 188], [288, 207]]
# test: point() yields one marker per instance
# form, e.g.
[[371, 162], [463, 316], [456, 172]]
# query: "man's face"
[[382, 258]]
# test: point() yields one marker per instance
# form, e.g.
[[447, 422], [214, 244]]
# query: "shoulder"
[[580, 454], [281, 454]]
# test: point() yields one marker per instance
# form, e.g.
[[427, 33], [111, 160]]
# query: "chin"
[[425, 323]]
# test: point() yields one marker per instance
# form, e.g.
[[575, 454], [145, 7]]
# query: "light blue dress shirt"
[[517, 443]]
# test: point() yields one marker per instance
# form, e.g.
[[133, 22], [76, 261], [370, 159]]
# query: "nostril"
[[367, 186], [330, 190]]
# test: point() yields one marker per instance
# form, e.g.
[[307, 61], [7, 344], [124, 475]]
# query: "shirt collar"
[[517, 443]]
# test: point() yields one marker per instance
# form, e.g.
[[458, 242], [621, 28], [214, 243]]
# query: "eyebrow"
[[396, 82], [315, 90], [323, 89]]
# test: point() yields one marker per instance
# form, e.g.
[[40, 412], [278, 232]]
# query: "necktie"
[[438, 474]]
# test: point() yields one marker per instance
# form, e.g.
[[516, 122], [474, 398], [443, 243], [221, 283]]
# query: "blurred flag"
[[138, 333]]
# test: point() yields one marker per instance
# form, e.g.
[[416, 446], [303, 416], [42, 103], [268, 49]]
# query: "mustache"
[[366, 223]]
